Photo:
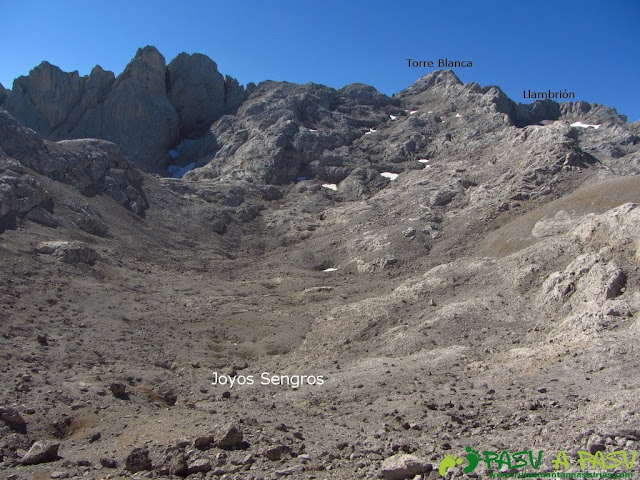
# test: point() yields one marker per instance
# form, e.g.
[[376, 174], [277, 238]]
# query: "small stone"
[[42, 340], [203, 442], [11, 416], [275, 453], [596, 444], [41, 452], [178, 465], [119, 390], [199, 465], [290, 471], [59, 475], [108, 462], [409, 232], [168, 394]]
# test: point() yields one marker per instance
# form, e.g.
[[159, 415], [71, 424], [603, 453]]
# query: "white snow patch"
[[430, 111], [331, 186], [393, 117], [330, 270], [584, 125], [312, 130], [389, 175], [424, 160], [413, 111], [458, 115]]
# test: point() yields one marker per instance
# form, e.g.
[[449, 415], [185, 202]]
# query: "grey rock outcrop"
[[91, 166], [19, 191], [284, 132]]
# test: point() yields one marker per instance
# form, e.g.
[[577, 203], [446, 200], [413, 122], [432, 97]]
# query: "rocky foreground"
[[347, 285]]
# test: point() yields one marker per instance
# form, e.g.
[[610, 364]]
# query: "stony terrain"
[[445, 267]]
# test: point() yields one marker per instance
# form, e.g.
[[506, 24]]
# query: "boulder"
[[228, 436], [19, 192], [11, 416], [69, 252], [403, 466], [41, 452], [138, 460]]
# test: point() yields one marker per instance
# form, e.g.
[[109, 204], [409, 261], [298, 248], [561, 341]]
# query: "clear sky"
[[588, 47]]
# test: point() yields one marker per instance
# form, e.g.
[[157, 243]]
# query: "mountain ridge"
[[182, 100]]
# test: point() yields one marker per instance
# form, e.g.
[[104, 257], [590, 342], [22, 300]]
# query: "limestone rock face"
[[234, 94], [43, 99], [197, 91], [3, 93], [85, 118], [137, 114]]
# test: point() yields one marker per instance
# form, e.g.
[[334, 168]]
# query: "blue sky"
[[587, 47]]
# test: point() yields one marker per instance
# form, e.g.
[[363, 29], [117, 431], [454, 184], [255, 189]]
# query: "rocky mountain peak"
[[441, 78], [149, 108], [146, 72]]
